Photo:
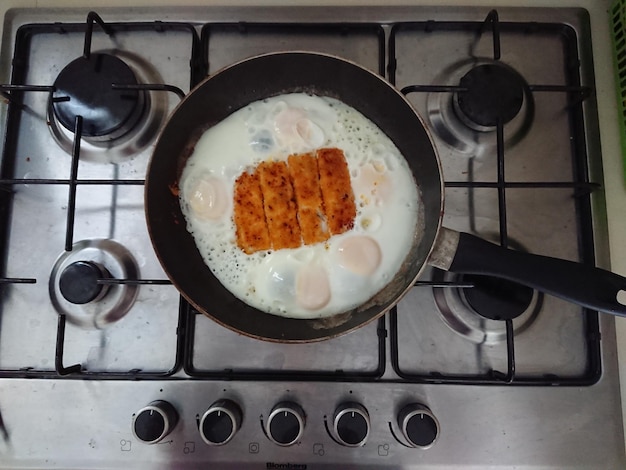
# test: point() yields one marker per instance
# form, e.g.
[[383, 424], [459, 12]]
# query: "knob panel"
[[419, 426], [285, 424], [154, 421], [351, 424], [220, 422]]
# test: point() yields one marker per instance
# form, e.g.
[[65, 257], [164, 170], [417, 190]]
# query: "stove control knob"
[[285, 423], [351, 424], [155, 421], [418, 425], [220, 422]]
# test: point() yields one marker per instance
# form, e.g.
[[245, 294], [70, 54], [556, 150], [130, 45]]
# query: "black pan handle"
[[586, 285]]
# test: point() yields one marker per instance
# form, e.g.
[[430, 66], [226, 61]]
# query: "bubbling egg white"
[[311, 281]]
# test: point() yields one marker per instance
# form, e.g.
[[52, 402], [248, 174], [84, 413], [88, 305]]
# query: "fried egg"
[[311, 281]]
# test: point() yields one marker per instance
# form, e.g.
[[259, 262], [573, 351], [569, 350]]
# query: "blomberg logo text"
[[285, 466]]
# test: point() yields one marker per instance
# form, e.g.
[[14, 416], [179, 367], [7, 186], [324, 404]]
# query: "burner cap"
[[497, 299], [493, 92], [88, 261], [79, 282], [83, 88]]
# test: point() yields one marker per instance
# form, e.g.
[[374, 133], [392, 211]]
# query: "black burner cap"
[[493, 92], [79, 282], [83, 88], [497, 299]]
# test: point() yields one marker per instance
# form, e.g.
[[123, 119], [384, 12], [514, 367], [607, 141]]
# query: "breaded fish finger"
[[280, 205], [336, 190], [249, 216], [305, 179]]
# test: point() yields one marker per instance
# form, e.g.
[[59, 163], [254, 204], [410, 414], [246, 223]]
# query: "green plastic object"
[[618, 34]]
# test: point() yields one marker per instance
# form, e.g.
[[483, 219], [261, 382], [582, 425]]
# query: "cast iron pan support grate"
[[581, 186], [13, 93]]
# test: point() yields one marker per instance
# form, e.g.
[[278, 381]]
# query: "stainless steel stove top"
[[432, 383]]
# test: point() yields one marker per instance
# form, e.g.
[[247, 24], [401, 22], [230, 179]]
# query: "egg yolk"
[[294, 130], [312, 287], [208, 198], [373, 184], [359, 254]]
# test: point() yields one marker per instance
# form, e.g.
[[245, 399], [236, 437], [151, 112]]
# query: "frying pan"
[[264, 76]]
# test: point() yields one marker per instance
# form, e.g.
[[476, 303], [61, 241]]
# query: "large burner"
[[84, 88], [117, 123], [497, 299], [494, 93]]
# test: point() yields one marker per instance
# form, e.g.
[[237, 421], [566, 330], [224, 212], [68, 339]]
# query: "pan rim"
[[440, 183]]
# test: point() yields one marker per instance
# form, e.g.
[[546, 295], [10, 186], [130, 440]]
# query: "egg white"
[[385, 194]]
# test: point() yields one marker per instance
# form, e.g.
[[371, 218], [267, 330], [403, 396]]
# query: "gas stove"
[[104, 365]]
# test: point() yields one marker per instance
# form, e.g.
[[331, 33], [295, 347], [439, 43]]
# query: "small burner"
[[83, 88], [79, 282], [74, 289], [497, 299], [494, 92]]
